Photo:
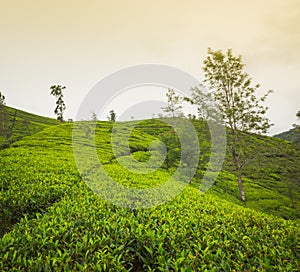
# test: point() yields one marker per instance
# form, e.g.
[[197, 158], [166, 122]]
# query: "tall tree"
[[232, 91], [174, 107], [57, 91]]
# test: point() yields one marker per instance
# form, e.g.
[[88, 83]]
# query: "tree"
[[3, 117], [174, 107], [295, 135], [94, 117], [205, 105], [2, 100], [56, 90], [112, 116], [231, 90], [296, 125]]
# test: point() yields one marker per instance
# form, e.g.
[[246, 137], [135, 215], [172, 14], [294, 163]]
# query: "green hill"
[[292, 135], [52, 221], [17, 124], [271, 179]]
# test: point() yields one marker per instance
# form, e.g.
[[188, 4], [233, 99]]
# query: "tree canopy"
[[57, 91], [231, 89]]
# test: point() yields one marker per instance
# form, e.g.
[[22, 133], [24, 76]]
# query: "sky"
[[77, 43]]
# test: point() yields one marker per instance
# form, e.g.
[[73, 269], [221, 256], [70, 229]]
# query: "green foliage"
[[232, 91], [19, 124], [4, 132], [51, 220], [57, 91], [112, 116], [271, 180], [292, 135], [35, 173], [191, 233], [174, 107], [2, 99], [235, 100]]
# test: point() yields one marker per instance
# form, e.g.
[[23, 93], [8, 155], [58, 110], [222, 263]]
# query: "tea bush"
[[52, 221], [191, 233]]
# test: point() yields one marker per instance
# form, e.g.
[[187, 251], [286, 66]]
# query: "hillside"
[[291, 135], [54, 222], [271, 179], [18, 124]]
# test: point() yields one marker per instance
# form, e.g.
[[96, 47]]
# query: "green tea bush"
[[52, 221], [191, 233]]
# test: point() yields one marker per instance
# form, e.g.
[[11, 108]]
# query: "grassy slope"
[[66, 226], [290, 135], [271, 179], [25, 124]]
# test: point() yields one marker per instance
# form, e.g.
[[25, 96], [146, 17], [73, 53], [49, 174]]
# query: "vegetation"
[[52, 217], [2, 99], [191, 233], [174, 107], [293, 134], [57, 91], [94, 117], [235, 99], [18, 124], [112, 116], [52, 221], [3, 116]]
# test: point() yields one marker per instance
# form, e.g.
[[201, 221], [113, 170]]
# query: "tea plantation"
[[52, 221], [17, 124]]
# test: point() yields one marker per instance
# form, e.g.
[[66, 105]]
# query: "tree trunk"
[[241, 188]]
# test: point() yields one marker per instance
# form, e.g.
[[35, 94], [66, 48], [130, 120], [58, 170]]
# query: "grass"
[[52, 221]]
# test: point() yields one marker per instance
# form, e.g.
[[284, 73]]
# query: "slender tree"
[[2, 99], [296, 132], [94, 117], [112, 116], [230, 88], [174, 107], [57, 91], [3, 116]]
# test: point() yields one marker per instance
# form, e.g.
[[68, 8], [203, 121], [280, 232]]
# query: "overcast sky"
[[77, 43]]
